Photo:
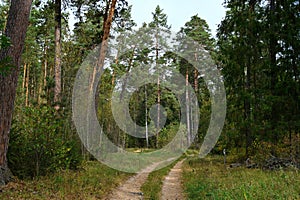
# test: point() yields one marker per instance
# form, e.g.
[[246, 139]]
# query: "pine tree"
[[160, 31], [197, 30], [16, 27]]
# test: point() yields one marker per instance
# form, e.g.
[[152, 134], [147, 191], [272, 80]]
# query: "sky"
[[179, 12]]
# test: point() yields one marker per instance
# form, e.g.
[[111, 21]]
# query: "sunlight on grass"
[[93, 181], [209, 179]]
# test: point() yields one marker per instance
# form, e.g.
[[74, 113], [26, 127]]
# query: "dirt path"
[[131, 189], [172, 189]]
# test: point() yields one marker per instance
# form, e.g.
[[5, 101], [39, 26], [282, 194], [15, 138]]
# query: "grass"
[[93, 181], [209, 179], [153, 186], [203, 179]]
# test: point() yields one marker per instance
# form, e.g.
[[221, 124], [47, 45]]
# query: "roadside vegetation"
[[153, 186], [209, 179], [92, 180]]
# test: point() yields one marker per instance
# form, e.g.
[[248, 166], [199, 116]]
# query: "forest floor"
[[206, 178]]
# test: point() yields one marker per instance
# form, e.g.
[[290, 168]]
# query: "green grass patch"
[[153, 186], [209, 179], [93, 181]]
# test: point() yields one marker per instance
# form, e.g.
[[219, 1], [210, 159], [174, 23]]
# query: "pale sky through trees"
[[179, 12]]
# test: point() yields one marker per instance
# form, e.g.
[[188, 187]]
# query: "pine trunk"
[[158, 90], [273, 70], [108, 18], [16, 28], [57, 89], [110, 10], [187, 103], [27, 85], [146, 117]]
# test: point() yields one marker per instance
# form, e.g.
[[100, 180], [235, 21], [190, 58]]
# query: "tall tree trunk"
[[158, 109], [196, 74], [57, 69], [273, 70], [127, 75], [247, 111], [158, 89], [108, 18], [27, 85], [45, 70], [146, 117], [24, 76], [247, 100], [187, 103], [247, 88], [16, 27]]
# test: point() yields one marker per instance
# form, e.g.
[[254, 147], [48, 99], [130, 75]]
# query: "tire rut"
[[131, 189], [172, 189]]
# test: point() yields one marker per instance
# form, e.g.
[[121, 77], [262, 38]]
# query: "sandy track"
[[131, 189], [172, 189]]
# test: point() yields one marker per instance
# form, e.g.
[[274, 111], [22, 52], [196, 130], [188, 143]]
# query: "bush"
[[39, 145]]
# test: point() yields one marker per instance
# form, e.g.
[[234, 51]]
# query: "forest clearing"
[[105, 99]]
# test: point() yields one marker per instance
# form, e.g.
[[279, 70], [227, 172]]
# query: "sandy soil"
[[131, 189], [172, 189]]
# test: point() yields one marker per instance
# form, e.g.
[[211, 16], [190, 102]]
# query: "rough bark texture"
[[187, 103], [158, 90], [16, 28], [108, 18], [57, 90], [110, 10]]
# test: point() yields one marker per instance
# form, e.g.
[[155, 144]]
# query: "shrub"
[[38, 144]]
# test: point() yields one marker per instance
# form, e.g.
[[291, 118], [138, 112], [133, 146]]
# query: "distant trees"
[[160, 31], [257, 50], [258, 47], [197, 30]]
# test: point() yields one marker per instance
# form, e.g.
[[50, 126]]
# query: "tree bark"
[[146, 117], [187, 103], [27, 85], [16, 27], [158, 89], [108, 18], [24, 76], [273, 69], [57, 89]]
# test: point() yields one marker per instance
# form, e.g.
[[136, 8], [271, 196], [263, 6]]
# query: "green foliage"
[[5, 63], [4, 40], [167, 134], [39, 145], [260, 64]]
